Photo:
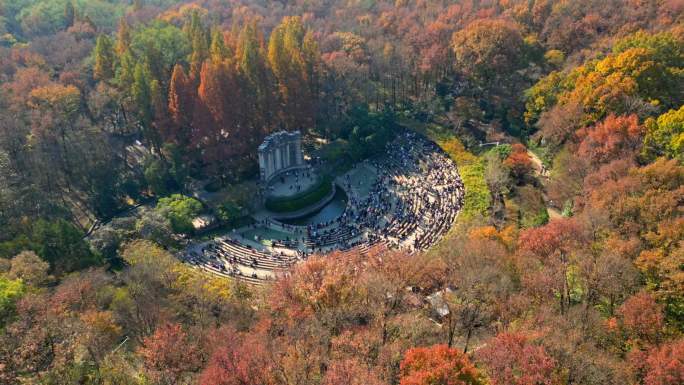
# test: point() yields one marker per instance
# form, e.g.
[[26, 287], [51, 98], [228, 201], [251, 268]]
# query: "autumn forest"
[[121, 121]]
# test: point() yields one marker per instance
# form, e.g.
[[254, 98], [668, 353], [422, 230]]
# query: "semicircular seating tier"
[[411, 204]]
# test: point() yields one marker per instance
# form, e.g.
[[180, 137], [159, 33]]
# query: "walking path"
[[543, 174]]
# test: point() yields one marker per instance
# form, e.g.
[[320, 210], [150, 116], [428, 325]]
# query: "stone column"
[[286, 155], [293, 160], [271, 163], [298, 155], [262, 165]]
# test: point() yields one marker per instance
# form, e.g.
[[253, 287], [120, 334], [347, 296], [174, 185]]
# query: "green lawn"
[[470, 166]]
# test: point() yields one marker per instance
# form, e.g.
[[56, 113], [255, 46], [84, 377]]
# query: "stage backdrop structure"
[[280, 152]]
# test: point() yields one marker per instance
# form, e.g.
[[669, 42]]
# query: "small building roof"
[[203, 221]]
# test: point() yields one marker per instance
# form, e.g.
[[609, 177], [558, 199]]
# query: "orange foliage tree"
[[438, 365], [170, 354], [519, 162], [613, 138]]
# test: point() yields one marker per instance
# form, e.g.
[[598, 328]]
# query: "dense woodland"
[[106, 104]]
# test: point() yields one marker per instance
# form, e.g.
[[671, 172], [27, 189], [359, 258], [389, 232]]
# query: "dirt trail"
[[538, 165], [543, 174]]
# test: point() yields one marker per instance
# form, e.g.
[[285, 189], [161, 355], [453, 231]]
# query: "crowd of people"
[[412, 203], [229, 257]]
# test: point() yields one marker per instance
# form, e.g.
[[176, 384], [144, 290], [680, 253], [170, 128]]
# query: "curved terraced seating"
[[412, 205], [237, 253], [222, 268]]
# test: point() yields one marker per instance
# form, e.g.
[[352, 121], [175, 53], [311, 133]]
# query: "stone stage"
[[291, 182]]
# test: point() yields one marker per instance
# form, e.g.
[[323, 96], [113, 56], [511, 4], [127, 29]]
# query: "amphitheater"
[[406, 199]]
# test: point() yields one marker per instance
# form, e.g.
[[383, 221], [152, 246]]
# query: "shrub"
[[532, 207], [10, 292], [180, 210], [229, 212]]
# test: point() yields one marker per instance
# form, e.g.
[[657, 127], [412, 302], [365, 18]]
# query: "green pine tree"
[[141, 93], [104, 58]]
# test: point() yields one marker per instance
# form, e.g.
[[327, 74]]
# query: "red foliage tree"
[[438, 365], [436, 54], [551, 249], [350, 372], [614, 138], [642, 317], [512, 360], [221, 127], [518, 161], [237, 360], [557, 237], [638, 199], [181, 102], [663, 365], [169, 354]]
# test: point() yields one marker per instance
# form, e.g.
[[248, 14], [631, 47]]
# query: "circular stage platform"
[[292, 182]]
